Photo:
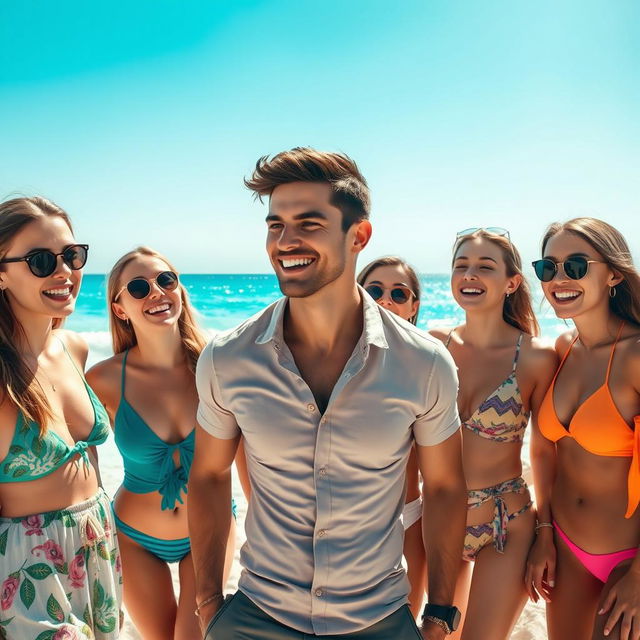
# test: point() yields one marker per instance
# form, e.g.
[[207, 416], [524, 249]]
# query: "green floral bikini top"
[[31, 456]]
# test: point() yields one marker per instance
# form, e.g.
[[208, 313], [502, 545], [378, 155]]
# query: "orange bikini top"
[[597, 427]]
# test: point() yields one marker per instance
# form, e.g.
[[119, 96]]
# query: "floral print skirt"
[[61, 574]]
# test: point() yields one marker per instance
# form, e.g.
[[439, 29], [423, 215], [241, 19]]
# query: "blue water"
[[223, 301]]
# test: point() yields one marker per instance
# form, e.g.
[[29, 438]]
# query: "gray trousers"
[[240, 619]]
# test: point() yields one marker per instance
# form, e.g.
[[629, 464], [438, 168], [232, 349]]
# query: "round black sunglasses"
[[43, 263], [140, 288]]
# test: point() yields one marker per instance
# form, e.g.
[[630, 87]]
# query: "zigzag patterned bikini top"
[[501, 416]]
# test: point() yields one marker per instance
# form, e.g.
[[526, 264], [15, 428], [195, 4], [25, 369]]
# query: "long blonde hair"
[[517, 309], [17, 380], [122, 334], [613, 248]]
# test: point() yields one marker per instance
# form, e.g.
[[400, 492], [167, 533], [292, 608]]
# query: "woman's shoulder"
[[564, 341], [441, 333], [105, 379], [632, 356], [539, 355], [75, 345]]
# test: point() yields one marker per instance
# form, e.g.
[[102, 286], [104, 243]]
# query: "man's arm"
[[209, 516], [444, 519]]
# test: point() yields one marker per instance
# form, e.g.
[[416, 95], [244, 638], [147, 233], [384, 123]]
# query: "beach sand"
[[531, 625]]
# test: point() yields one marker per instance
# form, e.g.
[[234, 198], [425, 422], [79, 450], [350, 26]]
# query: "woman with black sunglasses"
[[148, 388], [394, 285], [585, 451], [59, 557], [504, 371]]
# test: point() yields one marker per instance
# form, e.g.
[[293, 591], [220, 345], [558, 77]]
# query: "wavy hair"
[[17, 379], [613, 248], [350, 192], [517, 309], [122, 334], [394, 261]]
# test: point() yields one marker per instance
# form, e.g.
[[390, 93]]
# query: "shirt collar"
[[373, 332]]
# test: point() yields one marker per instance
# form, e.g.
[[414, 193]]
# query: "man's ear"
[[362, 235]]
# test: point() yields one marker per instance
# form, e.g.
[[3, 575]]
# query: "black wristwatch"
[[446, 617]]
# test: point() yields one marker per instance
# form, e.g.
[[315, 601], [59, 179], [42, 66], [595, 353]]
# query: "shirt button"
[[311, 408], [276, 347], [322, 471], [322, 533], [319, 593]]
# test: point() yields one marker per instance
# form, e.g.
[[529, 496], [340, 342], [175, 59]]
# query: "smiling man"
[[329, 391]]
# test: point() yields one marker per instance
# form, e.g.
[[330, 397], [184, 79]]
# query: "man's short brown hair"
[[304, 164]]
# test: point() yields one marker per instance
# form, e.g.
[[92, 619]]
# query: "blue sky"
[[142, 118]]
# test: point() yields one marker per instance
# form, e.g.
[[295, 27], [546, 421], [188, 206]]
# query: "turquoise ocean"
[[224, 301]]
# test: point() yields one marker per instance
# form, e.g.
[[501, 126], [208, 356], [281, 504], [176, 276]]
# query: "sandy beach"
[[531, 625]]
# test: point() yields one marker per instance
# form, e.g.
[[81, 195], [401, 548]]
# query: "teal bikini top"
[[31, 456], [148, 460]]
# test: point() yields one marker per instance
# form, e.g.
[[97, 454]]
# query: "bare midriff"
[[589, 499], [70, 484], [143, 512], [486, 464]]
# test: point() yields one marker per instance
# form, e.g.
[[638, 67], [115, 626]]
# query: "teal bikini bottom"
[[165, 550]]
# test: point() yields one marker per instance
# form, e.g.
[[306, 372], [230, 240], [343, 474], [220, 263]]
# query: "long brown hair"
[[517, 309], [122, 334], [613, 248], [17, 380], [394, 261]]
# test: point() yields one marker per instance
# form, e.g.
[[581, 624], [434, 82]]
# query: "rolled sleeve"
[[440, 420], [212, 416]]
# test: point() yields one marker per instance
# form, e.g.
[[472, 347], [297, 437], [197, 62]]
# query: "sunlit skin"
[[389, 276], [303, 226], [491, 590], [41, 348], [587, 492], [161, 389]]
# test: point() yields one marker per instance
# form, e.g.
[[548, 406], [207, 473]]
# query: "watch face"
[[456, 618]]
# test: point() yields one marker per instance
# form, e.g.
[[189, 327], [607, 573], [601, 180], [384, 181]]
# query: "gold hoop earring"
[[612, 292]]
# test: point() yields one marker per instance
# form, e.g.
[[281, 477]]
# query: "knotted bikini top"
[[148, 460], [597, 427], [31, 456], [500, 417]]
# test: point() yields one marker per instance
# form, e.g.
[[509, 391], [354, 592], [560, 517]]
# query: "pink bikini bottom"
[[599, 564]]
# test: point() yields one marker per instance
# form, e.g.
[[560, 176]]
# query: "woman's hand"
[[622, 603], [541, 566]]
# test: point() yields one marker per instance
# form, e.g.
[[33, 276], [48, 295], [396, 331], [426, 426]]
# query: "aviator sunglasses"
[[575, 268], [496, 231], [399, 295], [140, 288], [43, 263]]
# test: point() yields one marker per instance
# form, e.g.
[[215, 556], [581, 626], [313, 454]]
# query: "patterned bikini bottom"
[[480, 535]]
